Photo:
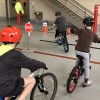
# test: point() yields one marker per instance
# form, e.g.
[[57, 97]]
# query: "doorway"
[[11, 13]]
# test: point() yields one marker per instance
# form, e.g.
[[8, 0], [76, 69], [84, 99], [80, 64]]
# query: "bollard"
[[95, 18]]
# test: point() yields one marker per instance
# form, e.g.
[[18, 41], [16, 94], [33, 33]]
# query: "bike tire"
[[66, 46], [48, 79], [72, 80]]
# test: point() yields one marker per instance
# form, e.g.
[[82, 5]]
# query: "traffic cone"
[[45, 29], [68, 31]]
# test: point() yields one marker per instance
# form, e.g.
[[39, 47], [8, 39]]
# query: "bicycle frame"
[[61, 38]]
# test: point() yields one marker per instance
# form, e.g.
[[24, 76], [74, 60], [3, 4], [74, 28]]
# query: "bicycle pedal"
[[90, 67], [64, 85]]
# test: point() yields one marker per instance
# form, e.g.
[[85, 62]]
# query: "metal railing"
[[76, 7], [73, 8]]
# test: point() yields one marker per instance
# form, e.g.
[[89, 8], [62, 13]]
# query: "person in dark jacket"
[[11, 62], [60, 24], [85, 39]]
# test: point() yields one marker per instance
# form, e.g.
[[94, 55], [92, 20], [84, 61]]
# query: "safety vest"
[[18, 8]]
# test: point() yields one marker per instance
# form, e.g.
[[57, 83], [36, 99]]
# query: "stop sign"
[[28, 27]]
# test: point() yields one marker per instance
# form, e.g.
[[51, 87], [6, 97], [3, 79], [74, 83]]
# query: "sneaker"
[[88, 83]]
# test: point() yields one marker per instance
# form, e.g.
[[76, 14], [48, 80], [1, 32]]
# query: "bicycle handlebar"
[[51, 28], [36, 72]]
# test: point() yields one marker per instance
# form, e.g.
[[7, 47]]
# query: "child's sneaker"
[[88, 83]]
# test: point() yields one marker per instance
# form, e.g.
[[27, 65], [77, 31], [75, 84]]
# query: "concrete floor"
[[60, 63]]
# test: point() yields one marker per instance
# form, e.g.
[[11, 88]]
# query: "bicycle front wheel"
[[45, 88]]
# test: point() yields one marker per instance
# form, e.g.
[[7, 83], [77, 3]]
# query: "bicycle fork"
[[41, 86]]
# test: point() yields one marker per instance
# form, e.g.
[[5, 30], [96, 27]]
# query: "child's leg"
[[56, 34], [86, 66], [7, 98], [29, 84]]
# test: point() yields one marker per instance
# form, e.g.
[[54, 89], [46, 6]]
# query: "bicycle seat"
[[80, 57]]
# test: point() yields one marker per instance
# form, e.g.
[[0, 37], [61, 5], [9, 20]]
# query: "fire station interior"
[[41, 45]]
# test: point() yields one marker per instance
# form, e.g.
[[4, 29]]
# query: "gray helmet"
[[89, 21], [58, 13]]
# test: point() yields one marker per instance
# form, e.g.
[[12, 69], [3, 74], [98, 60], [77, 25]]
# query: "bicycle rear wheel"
[[72, 80], [65, 45], [45, 88]]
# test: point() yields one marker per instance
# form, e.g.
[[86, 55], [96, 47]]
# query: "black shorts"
[[62, 32], [18, 87]]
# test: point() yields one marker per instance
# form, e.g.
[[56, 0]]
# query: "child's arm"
[[24, 62]]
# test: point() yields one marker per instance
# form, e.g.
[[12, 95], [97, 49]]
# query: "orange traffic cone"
[[45, 29], [68, 31]]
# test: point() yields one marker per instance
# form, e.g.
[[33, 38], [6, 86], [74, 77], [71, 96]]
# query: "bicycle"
[[75, 75], [45, 87], [62, 40]]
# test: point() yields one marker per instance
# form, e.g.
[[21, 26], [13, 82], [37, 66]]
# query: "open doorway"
[[11, 14]]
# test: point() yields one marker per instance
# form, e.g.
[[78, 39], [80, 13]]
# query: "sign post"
[[28, 28]]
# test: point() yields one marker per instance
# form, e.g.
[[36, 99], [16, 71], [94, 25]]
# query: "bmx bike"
[[45, 87]]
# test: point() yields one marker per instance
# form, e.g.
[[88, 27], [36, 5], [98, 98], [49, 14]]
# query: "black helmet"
[[89, 21], [58, 13]]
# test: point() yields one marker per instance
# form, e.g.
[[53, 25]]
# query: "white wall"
[[48, 11], [3, 8], [40, 6], [89, 4]]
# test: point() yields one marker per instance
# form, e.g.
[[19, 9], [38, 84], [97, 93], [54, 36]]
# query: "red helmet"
[[10, 34]]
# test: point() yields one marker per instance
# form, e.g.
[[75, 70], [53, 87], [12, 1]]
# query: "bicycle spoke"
[[49, 86]]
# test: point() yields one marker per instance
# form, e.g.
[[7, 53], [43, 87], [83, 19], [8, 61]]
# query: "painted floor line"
[[68, 43], [55, 55], [94, 62]]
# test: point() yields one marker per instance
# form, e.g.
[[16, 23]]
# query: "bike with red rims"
[[75, 75]]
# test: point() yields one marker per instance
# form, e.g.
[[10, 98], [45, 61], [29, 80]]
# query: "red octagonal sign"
[[28, 27]]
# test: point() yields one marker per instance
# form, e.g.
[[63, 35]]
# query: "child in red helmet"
[[11, 62]]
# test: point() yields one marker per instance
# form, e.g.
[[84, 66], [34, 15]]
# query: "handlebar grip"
[[46, 68]]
